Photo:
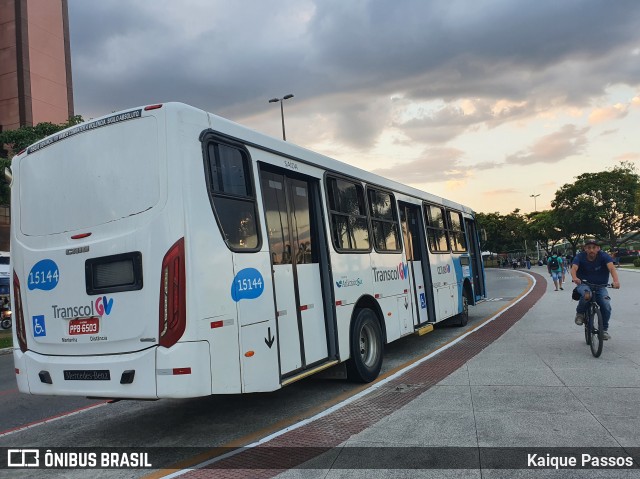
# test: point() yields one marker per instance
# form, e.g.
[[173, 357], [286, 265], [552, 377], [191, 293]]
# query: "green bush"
[[627, 259], [636, 262]]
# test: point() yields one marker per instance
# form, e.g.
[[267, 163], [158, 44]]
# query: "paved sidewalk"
[[535, 386]]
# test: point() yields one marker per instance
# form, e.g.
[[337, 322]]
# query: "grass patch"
[[6, 341]]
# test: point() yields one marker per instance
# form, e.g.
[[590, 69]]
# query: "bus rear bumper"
[[96, 376], [183, 370]]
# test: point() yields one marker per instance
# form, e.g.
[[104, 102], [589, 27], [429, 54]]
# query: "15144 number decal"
[[248, 284], [44, 275]]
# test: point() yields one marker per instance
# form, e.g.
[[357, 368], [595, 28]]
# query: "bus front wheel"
[[366, 347], [463, 317]]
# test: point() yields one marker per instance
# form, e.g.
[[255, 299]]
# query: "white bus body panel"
[[259, 359], [259, 370], [288, 330], [444, 285], [390, 279], [192, 355], [313, 322]]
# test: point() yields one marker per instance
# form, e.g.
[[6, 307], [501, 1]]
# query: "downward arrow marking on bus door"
[[270, 339], [406, 305]]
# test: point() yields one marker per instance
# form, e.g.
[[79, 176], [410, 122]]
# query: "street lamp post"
[[281, 101], [535, 206], [535, 210]]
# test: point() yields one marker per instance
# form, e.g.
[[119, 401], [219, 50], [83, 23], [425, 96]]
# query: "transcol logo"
[[101, 306], [401, 272]]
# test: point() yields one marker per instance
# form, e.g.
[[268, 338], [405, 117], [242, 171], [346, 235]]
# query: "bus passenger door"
[[293, 228], [475, 260], [418, 260]]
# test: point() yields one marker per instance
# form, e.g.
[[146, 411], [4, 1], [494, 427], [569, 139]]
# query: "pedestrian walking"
[[556, 270]]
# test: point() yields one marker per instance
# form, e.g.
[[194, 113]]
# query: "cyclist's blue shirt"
[[595, 271]]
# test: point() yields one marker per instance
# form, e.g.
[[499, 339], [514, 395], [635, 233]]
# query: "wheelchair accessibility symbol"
[[39, 328]]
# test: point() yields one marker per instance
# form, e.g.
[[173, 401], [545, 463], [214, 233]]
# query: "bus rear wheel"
[[366, 347]]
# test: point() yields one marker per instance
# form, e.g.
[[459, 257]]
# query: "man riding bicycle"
[[593, 266]]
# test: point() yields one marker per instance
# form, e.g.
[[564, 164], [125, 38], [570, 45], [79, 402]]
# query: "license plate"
[[84, 326]]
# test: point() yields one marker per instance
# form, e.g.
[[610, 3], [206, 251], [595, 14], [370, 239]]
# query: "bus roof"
[[254, 139]]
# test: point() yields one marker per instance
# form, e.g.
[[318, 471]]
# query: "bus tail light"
[[21, 332], [173, 314]]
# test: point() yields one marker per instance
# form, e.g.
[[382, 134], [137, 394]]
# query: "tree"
[[17, 140], [603, 204], [542, 227], [576, 222], [491, 223], [505, 234]]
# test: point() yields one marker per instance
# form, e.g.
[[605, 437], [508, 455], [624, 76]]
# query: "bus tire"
[[463, 317], [366, 347]]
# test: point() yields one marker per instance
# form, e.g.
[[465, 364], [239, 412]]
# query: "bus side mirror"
[[8, 176], [483, 234]]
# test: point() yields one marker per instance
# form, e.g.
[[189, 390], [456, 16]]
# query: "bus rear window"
[[90, 179]]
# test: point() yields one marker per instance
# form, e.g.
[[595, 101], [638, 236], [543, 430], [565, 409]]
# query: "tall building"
[[35, 63]]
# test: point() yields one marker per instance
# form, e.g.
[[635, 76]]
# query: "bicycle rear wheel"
[[597, 331]]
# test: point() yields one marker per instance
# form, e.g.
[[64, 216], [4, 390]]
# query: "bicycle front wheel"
[[587, 327], [597, 331]]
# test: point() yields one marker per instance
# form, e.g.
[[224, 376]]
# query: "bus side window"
[[437, 234], [232, 195], [349, 225], [458, 240], [384, 221]]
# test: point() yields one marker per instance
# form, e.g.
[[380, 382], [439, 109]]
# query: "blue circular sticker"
[[44, 275], [247, 284]]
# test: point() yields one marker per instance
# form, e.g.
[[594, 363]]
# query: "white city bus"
[[165, 252]]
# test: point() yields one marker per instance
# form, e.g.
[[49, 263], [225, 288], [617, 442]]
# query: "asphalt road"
[[207, 422]]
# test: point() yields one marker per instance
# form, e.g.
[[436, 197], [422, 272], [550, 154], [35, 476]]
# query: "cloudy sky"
[[484, 102]]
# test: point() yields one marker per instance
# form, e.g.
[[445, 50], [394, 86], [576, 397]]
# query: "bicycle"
[[593, 324]]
